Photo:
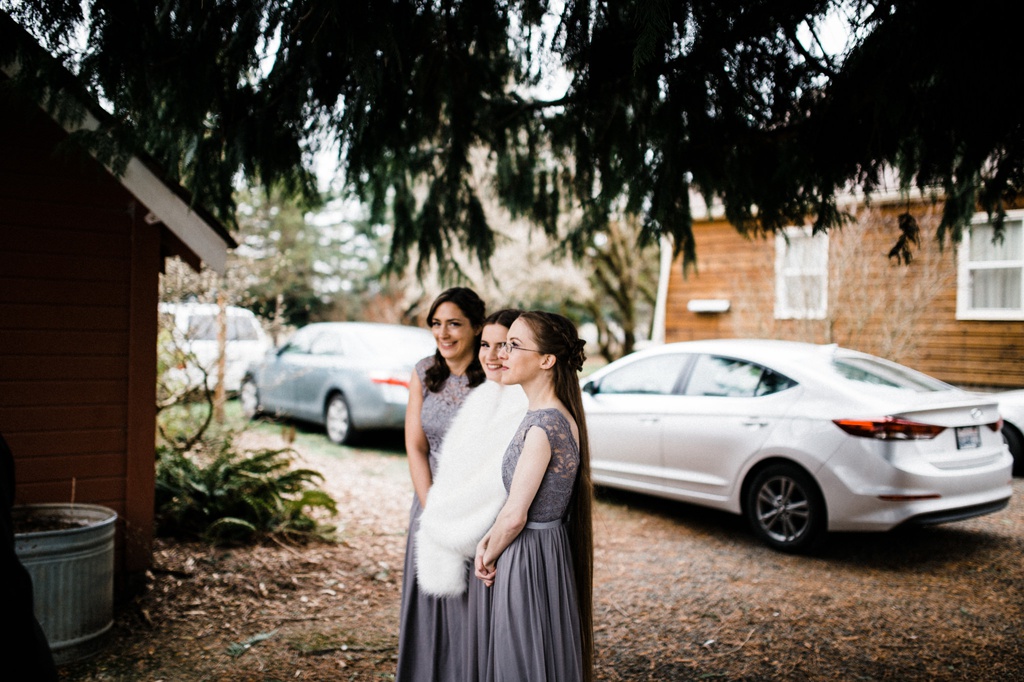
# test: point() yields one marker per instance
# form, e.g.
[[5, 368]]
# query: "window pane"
[[1010, 248], [990, 279], [713, 376], [657, 375], [998, 288], [801, 275], [800, 254], [803, 292]]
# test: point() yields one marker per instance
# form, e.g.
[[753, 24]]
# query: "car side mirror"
[[590, 388]]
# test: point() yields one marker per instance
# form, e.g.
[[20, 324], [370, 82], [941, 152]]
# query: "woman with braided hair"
[[537, 558]]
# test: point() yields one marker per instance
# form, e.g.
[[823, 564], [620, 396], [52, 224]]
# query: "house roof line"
[[716, 211], [208, 240], [167, 201]]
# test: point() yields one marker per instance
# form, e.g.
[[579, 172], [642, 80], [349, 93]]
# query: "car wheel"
[[785, 508], [1015, 442], [338, 420], [249, 397]]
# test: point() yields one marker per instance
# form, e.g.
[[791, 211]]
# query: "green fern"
[[221, 495]]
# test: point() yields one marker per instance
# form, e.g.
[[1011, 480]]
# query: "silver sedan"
[[345, 376], [799, 438]]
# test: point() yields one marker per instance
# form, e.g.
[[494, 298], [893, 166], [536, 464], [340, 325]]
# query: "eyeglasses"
[[509, 346]]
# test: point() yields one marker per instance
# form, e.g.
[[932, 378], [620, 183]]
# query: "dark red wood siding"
[[78, 289]]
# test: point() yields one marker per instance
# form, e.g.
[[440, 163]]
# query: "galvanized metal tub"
[[72, 570]]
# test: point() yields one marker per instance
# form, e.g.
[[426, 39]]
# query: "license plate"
[[968, 437]]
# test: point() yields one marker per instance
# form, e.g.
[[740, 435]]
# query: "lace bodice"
[[439, 408], [555, 490]]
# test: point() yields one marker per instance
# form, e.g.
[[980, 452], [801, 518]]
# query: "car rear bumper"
[[378, 415], [950, 515], [890, 496]]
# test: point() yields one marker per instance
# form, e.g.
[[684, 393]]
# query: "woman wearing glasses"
[[468, 492], [537, 558], [432, 630]]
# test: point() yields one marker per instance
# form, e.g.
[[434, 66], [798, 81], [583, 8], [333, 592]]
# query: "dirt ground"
[[681, 593]]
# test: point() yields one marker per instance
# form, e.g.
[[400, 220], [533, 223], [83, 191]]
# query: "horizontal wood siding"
[[68, 367], [903, 312], [68, 235], [55, 444], [64, 365]]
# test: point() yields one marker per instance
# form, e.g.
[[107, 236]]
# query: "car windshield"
[[868, 370]]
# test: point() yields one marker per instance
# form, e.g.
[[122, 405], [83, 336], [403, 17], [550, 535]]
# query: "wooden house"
[[81, 250], [955, 311]]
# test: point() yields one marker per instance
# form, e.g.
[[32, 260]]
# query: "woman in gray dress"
[[537, 558], [468, 492], [432, 629]]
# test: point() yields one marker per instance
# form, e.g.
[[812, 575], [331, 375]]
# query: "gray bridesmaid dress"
[[431, 638], [534, 622], [478, 627]]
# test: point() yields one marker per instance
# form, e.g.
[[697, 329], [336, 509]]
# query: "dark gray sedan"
[[345, 376]]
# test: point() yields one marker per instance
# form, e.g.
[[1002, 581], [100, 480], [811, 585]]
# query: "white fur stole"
[[467, 491]]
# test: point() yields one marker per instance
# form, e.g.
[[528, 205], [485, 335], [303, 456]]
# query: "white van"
[[194, 333]]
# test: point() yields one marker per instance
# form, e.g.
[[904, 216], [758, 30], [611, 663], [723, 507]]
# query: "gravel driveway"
[[681, 593]]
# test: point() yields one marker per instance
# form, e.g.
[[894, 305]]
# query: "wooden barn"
[[955, 311], [81, 250]]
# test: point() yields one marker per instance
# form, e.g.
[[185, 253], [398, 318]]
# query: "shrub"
[[222, 495]]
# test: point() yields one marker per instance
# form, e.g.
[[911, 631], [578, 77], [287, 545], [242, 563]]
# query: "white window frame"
[[816, 266], [966, 267]]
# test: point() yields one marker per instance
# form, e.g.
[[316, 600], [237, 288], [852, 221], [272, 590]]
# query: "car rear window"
[[867, 370], [402, 345]]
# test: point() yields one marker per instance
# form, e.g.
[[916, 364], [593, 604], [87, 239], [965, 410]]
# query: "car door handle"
[[755, 422], [650, 419]]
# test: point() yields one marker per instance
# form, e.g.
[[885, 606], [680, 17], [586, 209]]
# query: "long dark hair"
[[473, 308], [556, 335]]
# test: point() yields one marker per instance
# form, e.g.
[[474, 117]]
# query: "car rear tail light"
[[997, 425], [389, 380], [889, 428]]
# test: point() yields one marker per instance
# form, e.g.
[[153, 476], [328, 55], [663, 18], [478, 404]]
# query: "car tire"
[[785, 508], [1015, 442], [249, 398], [338, 420]]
